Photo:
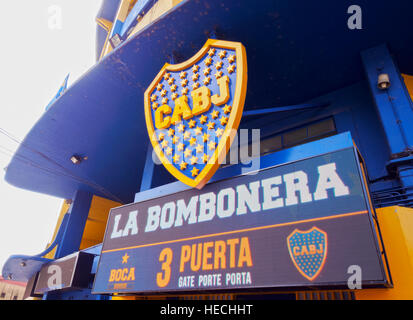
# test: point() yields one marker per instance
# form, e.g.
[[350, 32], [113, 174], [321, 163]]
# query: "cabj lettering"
[[308, 250], [201, 99]]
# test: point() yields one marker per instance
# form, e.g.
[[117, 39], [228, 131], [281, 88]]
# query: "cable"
[[66, 173]]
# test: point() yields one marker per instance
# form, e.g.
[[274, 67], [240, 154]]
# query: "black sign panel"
[[72, 271], [301, 224]]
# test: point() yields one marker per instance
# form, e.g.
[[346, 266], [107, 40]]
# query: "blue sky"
[[37, 53]]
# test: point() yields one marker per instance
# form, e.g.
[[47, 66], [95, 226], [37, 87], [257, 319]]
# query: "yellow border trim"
[[235, 117], [239, 231]]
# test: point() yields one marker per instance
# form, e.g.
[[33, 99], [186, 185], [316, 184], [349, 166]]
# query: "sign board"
[[300, 224], [193, 110], [72, 271]]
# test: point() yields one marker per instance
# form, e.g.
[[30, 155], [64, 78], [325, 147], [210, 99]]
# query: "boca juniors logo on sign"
[[308, 251], [194, 108]]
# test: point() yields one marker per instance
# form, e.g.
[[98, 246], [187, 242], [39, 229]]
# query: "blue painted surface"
[[147, 174], [395, 108], [394, 104], [78, 213], [312, 149], [282, 109], [107, 11], [282, 58], [22, 267]]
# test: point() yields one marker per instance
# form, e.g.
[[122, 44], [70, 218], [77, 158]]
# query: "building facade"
[[11, 290]]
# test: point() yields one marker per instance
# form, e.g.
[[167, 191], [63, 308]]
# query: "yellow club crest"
[[193, 110]]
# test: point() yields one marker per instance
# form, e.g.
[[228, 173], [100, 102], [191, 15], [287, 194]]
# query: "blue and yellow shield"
[[308, 251], [193, 110]]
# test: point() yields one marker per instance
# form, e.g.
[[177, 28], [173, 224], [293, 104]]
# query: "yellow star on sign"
[[181, 147], [165, 100], [175, 139], [195, 76], [155, 105], [195, 85], [184, 91], [219, 132], [195, 172], [164, 143], [205, 138], [198, 130], [159, 86], [203, 119], [153, 97], [218, 65], [211, 52], [207, 80], [171, 132], [181, 128], [125, 258], [171, 81], [191, 124], [223, 120], [173, 88], [207, 71], [211, 125], [184, 82], [183, 165], [174, 96], [199, 148], [231, 59], [169, 151], [192, 141], [205, 158], [231, 68], [195, 68], [194, 160], [176, 158], [227, 109], [182, 75], [188, 152], [208, 61], [187, 135], [166, 76], [218, 74], [161, 136], [211, 145], [163, 93], [214, 114], [222, 54]]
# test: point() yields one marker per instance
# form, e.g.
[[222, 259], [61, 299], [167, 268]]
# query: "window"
[[310, 132], [291, 138]]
